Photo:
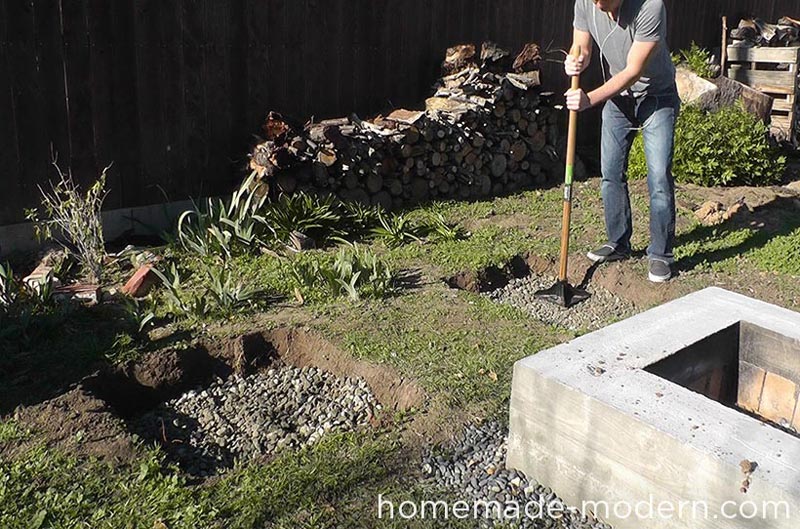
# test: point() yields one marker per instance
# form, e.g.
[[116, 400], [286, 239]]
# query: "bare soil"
[[91, 419]]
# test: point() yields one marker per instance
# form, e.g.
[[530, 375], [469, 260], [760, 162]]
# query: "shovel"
[[562, 293]]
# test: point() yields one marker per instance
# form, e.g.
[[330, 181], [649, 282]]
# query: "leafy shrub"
[[697, 59], [77, 216], [723, 148]]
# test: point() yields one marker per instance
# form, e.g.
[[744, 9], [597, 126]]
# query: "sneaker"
[[660, 271], [606, 254]]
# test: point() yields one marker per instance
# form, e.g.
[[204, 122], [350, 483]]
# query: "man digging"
[[639, 93]]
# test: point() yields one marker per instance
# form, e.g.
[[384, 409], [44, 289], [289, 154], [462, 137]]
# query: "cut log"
[[529, 59], [374, 182], [494, 57], [275, 128], [408, 117], [458, 58], [499, 165], [733, 92], [326, 157], [519, 151]]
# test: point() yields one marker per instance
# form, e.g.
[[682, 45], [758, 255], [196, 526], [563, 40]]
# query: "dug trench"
[[108, 412], [616, 278]]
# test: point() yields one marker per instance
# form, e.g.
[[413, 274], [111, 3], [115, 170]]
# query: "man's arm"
[[640, 53], [574, 66]]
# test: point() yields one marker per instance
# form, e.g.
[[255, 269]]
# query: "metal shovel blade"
[[563, 294]]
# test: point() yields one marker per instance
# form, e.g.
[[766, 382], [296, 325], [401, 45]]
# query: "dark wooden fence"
[[171, 91]]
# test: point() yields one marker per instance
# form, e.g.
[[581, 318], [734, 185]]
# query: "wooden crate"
[[773, 71]]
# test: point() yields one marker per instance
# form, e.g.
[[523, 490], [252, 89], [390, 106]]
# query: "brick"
[[751, 384], [86, 293], [778, 399], [141, 282], [35, 279]]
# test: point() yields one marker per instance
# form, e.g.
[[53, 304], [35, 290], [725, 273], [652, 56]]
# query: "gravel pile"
[[474, 467], [243, 417], [598, 311]]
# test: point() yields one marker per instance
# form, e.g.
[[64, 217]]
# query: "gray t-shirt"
[[638, 21]]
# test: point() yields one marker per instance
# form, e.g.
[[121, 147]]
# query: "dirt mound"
[[81, 424]]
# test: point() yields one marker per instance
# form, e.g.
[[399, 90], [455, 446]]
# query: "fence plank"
[[51, 64], [28, 104], [171, 91], [9, 153], [218, 89], [259, 71], [126, 127], [150, 104], [100, 43], [78, 68], [171, 74], [194, 38]]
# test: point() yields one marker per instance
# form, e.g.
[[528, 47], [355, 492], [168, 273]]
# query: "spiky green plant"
[[312, 216], [226, 227], [396, 230], [355, 272], [438, 229]]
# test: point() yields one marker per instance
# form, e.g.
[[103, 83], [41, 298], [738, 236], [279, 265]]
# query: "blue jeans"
[[622, 117]]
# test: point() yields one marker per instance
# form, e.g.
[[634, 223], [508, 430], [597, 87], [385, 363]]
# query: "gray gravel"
[[598, 311], [244, 417], [473, 467]]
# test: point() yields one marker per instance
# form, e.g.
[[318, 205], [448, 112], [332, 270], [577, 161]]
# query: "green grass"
[[781, 254], [456, 344], [489, 246], [714, 248], [45, 488], [328, 484]]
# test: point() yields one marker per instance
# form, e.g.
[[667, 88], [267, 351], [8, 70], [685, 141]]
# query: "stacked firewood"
[[488, 129], [756, 32]]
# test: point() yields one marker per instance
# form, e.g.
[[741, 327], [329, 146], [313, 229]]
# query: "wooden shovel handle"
[[572, 136]]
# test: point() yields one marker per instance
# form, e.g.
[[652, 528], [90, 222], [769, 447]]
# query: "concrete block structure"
[[693, 404]]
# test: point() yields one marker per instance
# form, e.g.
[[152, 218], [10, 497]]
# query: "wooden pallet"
[[773, 71]]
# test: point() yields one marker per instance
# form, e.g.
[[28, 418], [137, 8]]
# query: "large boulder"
[[693, 89]]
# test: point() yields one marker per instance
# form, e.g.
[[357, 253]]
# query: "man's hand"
[[575, 65], [578, 100]]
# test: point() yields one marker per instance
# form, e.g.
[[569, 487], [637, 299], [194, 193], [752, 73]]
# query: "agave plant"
[[315, 217], [228, 293], [179, 301], [223, 228], [396, 230], [438, 229], [355, 272]]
